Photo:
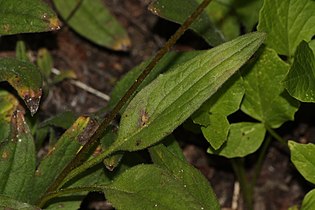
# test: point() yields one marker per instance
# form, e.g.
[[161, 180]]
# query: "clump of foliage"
[[205, 87]]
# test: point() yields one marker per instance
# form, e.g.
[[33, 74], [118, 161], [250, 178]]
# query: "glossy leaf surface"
[[92, 20], [26, 16], [302, 156], [244, 138], [265, 98], [171, 98], [309, 201], [25, 78], [287, 23], [17, 160], [300, 81]]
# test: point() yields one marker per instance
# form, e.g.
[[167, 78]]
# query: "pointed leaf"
[[171, 98], [8, 105], [60, 155], [25, 78], [287, 23], [265, 99], [300, 81], [195, 184], [17, 160], [26, 16], [244, 138], [309, 201], [8, 203], [302, 156], [21, 52], [151, 187], [92, 20], [179, 10]]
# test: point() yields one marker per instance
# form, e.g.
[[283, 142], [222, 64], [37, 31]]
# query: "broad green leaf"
[[309, 201], [91, 19], [300, 81], [17, 163], [8, 203], [179, 10], [195, 184], [26, 16], [302, 156], [265, 99], [217, 131], [25, 78], [287, 23], [169, 61], [173, 147], [171, 98], [151, 187], [8, 105], [244, 138], [60, 155], [62, 120]]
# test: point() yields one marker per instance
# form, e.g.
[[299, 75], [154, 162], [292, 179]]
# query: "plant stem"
[[91, 144], [275, 135], [246, 187]]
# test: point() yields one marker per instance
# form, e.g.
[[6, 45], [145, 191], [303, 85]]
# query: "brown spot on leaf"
[[88, 131], [138, 142], [54, 23], [6, 28], [5, 155], [123, 44], [144, 118]]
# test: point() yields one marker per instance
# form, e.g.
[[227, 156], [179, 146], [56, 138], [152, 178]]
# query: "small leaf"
[[21, 52], [179, 10], [287, 23], [8, 203], [62, 120], [151, 187], [17, 160], [26, 16], [92, 20], [244, 138], [8, 105], [44, 62], [300, 81], [217, 131], [25, 78], [171, 98], [302, 156], [309, 201], [194, 182], [265, 99], [60, 155]]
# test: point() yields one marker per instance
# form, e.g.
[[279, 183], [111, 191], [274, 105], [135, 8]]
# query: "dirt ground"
[[279, 185]]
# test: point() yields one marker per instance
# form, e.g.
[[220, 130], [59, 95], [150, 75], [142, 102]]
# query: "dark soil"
[[279, 185]]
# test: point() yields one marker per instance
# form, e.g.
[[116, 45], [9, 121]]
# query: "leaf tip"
[[54, 23], [123, 44], [32, 100]]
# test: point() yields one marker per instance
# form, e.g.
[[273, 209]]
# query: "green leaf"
[[217, 131], [44, 62], [171, 98], [26, 16], [62, 120], [169, 61], [287, 23], [25, 78], [8, 105], [244, 138], [248, 12], [300, 81], [308, 201], [265, 99], [179, 10], [92, 20], [60, 155], [151, 187], [194, 182], [8, 203], [17, 160], [302, 156], [20, 51]]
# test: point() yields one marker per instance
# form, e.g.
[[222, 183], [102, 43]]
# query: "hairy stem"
[[91, 144]]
